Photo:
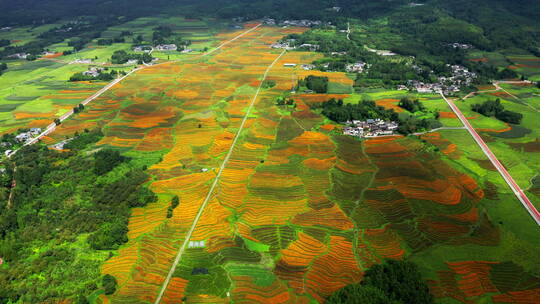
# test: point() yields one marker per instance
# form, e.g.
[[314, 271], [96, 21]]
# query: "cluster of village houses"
[[370, 128], [300, 23], [22, 138], [161, 47], [289, 45], [461, 76]]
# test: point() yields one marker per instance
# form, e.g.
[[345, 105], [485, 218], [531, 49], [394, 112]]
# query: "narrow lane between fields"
[[502, 170]]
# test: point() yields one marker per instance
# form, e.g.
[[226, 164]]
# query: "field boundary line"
[[524, 200], [51, 127], [213, 186]]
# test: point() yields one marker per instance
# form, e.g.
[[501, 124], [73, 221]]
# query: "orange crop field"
[[298, 210]]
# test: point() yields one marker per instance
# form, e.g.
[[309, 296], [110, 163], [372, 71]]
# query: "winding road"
[[502, 170]]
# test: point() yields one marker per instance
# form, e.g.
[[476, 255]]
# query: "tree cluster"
[[174, 203], [395, 282], [318, 84], [495, 108], [281, 101], [103, 76], [411, 105], [63, 208], [337, 111], [121, 57], [106, 160], [79, 108], [3, 68]]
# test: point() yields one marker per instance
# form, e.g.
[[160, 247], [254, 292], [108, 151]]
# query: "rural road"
[[214, 184], [507, 177], [438, 129], [50, 128]]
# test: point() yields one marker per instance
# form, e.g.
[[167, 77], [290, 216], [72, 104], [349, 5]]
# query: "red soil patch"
[[485, 164], [522, 297], [479, 60], [470, 216], [390, 103], [320, 164], [329, 217], [532, 146], [55, 55], [75, 91], [474, 277], [327, 127], [447, 115], [25, 115], [486, 87], [508, 128], [384, 242], [500, 94], [512, 67], [527, 66]]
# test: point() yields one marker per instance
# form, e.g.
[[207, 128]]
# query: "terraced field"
[[299, 210]]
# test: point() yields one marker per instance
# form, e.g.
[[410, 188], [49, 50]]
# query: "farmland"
[[300, 210], [34, 93]]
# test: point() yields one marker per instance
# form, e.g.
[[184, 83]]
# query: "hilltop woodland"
[[395, 282], [67, 210], [417, 121]]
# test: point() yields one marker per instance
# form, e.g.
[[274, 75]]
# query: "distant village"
[[370, 128], [287, 23], [21, 139], [461, 76]]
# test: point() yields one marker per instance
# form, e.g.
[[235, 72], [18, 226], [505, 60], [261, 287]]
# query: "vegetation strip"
[[216, 179]]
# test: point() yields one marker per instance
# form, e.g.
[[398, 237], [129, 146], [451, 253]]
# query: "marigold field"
[[300, 210]]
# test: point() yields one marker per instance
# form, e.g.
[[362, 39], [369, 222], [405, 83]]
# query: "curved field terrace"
[[300, 210]]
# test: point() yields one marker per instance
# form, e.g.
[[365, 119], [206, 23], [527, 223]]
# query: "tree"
[[109, 284], [174, 203], [495, 108], [57, 121], [317, 83], [509, 117], [109, 236], [106, 160], [81, 299], [398, 282], [411, 105], [358, 294]]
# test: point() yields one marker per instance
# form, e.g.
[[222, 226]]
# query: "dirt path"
[[214, 184], [13, 185], [502, 170], [438, 129]]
